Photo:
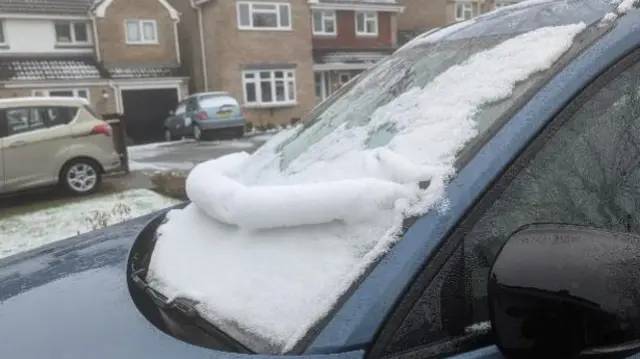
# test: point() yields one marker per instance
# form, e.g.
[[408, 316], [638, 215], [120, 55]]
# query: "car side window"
[[192, 104], [586, 172], [21, 120], [56, 115], [181, 109]]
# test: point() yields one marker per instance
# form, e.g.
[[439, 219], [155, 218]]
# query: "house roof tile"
[[143, 72], [30, 68], [49, 7]]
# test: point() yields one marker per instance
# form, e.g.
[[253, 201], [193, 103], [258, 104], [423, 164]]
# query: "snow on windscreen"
[[268, 252]]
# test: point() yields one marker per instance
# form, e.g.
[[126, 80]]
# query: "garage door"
[[145, 111]]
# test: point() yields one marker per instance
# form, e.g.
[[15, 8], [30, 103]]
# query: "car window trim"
[[432, 266]]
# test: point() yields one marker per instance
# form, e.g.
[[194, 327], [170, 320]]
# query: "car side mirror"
[[559, 291]]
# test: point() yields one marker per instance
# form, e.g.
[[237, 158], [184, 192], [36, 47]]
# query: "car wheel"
[[168, 135], [197, 133], [240, 132], [81, 177]]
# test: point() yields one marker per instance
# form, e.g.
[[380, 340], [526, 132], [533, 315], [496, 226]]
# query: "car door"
[[176, 121], [191, 111], [32, 146], [582, 169]]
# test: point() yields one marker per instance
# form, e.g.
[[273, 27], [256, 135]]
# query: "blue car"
[[493, 173], [202, 115]]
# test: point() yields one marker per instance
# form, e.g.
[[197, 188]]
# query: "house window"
[[344, 78], [264, 16], [324, 22], [72, 33], [501, 4], [467, 10], [3, 39], [141, 31], [367, 23], [269, 87], [84, 93]]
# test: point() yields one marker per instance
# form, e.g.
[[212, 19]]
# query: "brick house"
[[424, 15], [277, 56], [122, 55], [349, 37]]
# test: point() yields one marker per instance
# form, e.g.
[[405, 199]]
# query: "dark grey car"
[[202, 114]]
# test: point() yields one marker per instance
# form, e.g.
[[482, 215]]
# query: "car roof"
[[42, 100], [215, 93]]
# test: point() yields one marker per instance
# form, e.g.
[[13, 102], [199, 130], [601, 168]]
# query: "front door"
[[31, 147]]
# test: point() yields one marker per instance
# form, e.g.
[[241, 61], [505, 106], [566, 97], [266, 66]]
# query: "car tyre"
[[199, 134], [239, 132], [168, 135], [81, 176]]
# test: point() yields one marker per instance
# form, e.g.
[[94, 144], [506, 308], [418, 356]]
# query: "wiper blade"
[[186, 308]]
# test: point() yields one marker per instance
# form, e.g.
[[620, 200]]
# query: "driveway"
[[183, 155]]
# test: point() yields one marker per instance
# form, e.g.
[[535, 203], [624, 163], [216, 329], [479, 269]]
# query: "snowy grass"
[[22, 232]]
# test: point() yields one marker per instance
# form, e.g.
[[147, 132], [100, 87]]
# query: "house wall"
[[189, 38], [424, 15], [26, 36], [96, 99], [346, 33], [230, 50], [112, 36]]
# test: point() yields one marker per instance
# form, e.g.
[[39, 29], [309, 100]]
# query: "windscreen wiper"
[[185, 308]]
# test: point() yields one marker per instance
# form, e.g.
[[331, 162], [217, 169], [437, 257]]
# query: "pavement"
[[183, 155]]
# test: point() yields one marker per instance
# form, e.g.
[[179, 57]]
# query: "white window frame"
[[72, 32], [276, 5], [74, 91], [367, 16], [326, 15], [141, 23], [462, 7], [289, 77]]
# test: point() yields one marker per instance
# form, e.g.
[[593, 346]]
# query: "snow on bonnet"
[[268, 249]]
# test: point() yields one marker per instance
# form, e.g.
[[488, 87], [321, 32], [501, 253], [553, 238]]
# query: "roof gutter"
[[195, 4], [94, 24], [357, 7]]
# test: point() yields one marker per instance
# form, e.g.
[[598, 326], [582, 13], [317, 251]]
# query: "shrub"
[[295, 120], [249, 127], [261, 127], [171, 184], [270, 126], [101, 219]]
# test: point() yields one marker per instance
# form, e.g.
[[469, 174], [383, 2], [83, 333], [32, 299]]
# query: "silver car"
[[202, 114], [54, 140]]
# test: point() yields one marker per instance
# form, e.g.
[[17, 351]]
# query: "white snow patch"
[[624, 6], [28, 231], [160, 166], [275, 283]]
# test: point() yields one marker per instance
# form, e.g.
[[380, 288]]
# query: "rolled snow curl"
[[225, 199]]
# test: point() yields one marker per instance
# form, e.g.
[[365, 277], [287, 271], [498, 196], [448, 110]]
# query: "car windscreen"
[[272, 242]]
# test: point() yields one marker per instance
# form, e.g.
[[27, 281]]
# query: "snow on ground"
[[266, 250], [27, 231], [164, 156]]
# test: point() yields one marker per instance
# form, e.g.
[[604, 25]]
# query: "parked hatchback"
[[53, 140], [203, 114]]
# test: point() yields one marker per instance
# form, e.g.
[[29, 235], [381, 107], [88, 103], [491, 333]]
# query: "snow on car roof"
[[268, 252]]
